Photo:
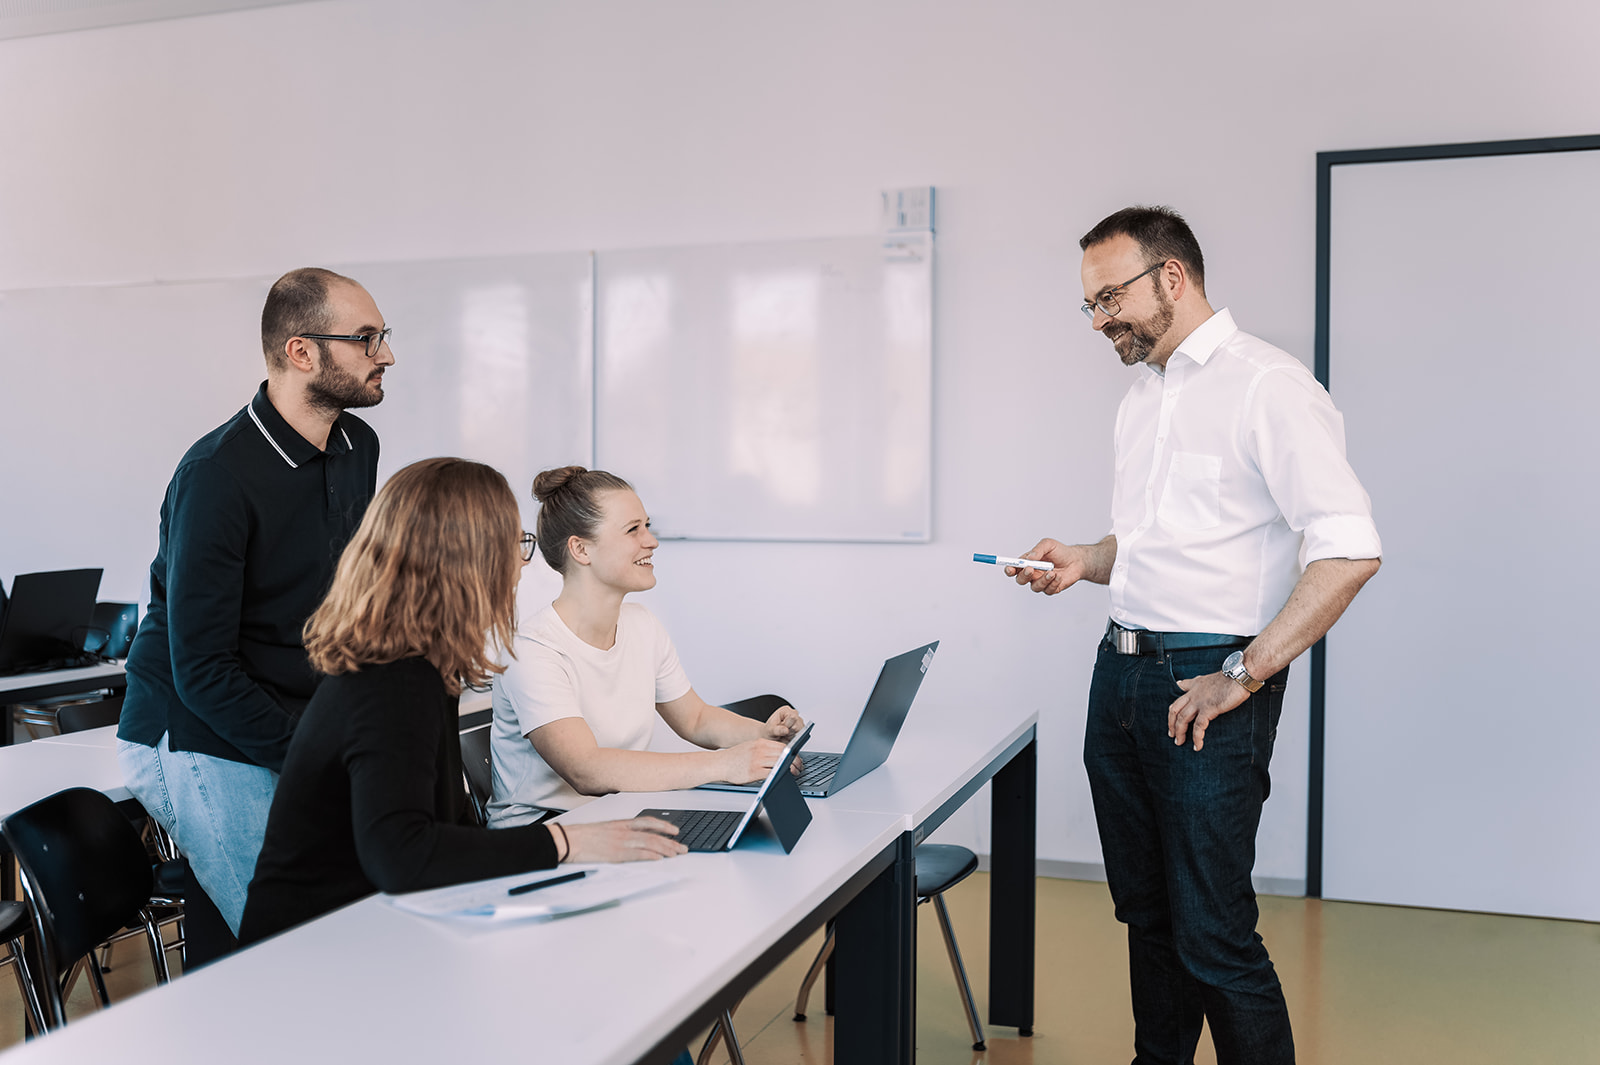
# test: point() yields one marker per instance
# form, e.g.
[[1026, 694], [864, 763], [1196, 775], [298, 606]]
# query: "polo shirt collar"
[[293, 448]]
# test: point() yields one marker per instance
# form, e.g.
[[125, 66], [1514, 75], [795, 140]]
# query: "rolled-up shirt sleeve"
[[1295, 435]]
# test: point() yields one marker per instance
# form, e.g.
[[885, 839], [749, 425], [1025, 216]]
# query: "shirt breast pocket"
[[1192, 498]]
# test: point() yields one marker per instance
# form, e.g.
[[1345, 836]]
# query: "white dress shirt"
[[1231, 476]]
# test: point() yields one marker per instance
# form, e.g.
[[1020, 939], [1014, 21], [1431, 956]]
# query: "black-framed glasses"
[[373, 341], [528, 543], [1107, 300]]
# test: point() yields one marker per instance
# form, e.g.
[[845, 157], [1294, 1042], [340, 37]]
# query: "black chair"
[[81, 716], [477, 770], [86, 875], [13, 925], [940, 867], [172, 874]]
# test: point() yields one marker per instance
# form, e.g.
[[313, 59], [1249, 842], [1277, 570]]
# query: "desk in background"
[[31, 687]]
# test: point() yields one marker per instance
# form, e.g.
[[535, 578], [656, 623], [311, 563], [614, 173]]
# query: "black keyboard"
[[701, 830], [818, 770]]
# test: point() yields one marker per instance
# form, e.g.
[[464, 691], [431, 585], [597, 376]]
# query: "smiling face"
[[1142, 328], [620, 551], [345, 377]]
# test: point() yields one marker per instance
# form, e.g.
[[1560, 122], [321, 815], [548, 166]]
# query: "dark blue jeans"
[[1178, 830]]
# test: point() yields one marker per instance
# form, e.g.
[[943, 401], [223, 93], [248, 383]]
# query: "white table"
[[624, 985], [627, 984], [31, 771]]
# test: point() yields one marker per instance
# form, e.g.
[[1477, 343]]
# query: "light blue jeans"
[[214, 809]]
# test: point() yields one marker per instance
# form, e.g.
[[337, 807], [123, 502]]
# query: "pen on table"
[[523, 889], [1020, 563]]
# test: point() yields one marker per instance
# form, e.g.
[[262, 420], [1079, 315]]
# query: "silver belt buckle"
[[1127, 640]]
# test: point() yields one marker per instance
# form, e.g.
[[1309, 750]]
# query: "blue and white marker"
[[1020, 563]]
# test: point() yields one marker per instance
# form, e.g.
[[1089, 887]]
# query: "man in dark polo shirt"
[[251, 528]]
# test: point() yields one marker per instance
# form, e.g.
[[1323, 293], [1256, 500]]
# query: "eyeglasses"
[[373, 341], [1107, 300], [528, 543]]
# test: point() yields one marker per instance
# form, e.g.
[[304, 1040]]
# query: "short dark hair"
[[1161, 234], [569, 505], [297, 304]]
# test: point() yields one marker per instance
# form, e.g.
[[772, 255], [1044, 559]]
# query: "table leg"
[[1013, 867], [876, 976]]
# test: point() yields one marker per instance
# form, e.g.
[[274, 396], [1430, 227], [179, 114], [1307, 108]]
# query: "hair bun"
[[549, 482]]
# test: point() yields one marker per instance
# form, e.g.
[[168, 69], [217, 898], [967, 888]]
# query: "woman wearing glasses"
[[574, 712], [371, 795]]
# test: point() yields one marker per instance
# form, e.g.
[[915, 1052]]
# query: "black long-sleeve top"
[[251, 529], [372, 799]]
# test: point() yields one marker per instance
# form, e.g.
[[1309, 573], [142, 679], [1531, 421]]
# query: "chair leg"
[[158, 949], [722, 1031], [70, 981], [811, 976], [98, 980], [30, 994], [961, 973]]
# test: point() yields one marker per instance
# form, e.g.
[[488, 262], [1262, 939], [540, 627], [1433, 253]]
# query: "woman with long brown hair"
[[371, 795]]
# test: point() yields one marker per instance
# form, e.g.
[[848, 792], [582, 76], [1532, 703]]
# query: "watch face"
[[1233, 667]]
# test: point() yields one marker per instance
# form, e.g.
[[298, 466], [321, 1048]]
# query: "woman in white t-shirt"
[[575, 709]]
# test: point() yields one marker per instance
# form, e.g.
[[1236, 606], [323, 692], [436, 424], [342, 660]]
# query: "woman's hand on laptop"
[[750, 762], [641, 839], [784, 722]]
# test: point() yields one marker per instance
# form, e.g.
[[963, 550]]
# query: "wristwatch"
[[1233, 666]]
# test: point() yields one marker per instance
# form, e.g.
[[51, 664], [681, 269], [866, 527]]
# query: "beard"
[[1134, 342], [335, 389]]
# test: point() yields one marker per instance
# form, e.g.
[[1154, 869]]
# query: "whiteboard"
[[103, 389], [777, 391], [493, 362], [1461, 724]]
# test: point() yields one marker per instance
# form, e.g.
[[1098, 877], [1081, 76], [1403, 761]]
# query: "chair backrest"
[[476, 768], [79, 717], [759, 707], [84, 869]]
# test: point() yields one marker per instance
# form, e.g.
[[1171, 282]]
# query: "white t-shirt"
[[557, 675]]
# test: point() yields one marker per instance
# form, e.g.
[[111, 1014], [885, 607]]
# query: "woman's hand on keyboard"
[[641, 839]]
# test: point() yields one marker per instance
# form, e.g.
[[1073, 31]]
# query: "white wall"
[[359, 130]]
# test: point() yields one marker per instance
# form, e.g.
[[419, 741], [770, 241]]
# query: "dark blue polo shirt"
[[251, 529]]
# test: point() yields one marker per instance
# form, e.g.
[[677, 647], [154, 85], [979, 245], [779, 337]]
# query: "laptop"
[[720, 830], [47, 619], [822, 774]]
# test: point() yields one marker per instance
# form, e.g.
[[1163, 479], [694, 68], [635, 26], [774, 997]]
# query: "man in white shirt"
[[1239, 536]]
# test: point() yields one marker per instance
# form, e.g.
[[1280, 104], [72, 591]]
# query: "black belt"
[[1144, 642]]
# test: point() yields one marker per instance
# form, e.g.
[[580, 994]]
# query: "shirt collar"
[[293, 448], [1207, 337]]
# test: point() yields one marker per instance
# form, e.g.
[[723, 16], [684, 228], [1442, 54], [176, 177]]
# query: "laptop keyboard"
[[701, 830], [818, 770]]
